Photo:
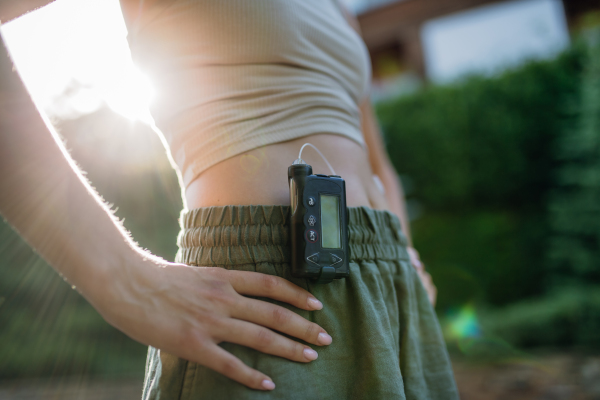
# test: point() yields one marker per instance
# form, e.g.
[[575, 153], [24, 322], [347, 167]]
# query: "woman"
[[241, 85]]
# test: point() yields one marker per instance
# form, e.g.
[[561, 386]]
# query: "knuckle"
[[264, 338], [280, 315], [230, 367], [216, 275], [312, 330], [216, 326], [271, 283], [200, 345], [219, 285], [190, 337], [296, 351], [221, 294], [187, 335]]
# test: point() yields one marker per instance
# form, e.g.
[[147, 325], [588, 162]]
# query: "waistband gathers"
[[250, 234]]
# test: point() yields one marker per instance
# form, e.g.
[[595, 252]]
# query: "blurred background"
[[491, 115]]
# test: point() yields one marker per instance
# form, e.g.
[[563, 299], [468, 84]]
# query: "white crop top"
[[234, 75]]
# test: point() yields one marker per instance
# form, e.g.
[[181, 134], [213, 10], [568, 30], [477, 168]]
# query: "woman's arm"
[[380, 162], [183, 310], [11, 9], [382, 167]]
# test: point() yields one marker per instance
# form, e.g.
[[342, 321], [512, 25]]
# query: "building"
[[396, 35]]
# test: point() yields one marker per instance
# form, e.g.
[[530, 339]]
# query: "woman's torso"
[[243, 85], [260, 176]]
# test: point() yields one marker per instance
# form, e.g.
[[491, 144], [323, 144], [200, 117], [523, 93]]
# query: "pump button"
[[312, 235], [335, 259], [314, 258]]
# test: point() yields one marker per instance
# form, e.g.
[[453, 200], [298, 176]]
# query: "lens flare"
[[73, 57], [462, 323]]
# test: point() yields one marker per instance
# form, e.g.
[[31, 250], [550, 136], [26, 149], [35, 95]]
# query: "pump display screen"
[[330, 222]]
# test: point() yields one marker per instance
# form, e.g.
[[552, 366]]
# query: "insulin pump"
[[319, 223]]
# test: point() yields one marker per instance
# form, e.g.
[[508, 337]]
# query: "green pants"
[[387, 342]]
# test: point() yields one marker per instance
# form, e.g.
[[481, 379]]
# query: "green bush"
[[507, 171], [483, 141], [573, 252], [479, 155]]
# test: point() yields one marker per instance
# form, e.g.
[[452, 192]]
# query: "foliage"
[[46, 327], [483, 141], [479, 156], [486, 157], [574, 248], [565, 317]]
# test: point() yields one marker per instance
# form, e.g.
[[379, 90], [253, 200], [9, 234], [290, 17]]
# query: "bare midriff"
[[259, 176]]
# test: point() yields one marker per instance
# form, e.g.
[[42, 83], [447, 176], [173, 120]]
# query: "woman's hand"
[[188, 311], [182, 310], [426, 280]]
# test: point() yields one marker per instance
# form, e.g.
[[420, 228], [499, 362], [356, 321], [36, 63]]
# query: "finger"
[[433, 294], [216, 358], [274, 287], [415, 259], [430, 288], [428, 278], [281, 319], [265, 340]]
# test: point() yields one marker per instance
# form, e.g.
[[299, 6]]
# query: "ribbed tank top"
[[235, 75]]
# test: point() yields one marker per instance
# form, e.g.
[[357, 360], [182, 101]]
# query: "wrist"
[[124, 283], [106, 281]]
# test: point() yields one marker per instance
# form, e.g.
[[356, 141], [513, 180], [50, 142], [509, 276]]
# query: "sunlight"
[[73, 56], [130, 94]]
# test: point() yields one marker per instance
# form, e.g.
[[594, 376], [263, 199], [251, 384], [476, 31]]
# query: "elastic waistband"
[[232, 235]]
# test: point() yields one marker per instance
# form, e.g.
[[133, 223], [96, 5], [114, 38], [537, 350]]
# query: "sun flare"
[[76, 51]]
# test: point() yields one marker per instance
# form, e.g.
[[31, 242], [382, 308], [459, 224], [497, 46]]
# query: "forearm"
[[47, 200], [394, 195], [11, 9], [383, 168]]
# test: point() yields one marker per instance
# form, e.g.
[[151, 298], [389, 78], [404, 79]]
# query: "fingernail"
[[267, 384], [310, 354], [314, 303], [324, 338]]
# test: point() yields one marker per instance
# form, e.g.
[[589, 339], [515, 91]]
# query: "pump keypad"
[[312, 236], [324, 259]]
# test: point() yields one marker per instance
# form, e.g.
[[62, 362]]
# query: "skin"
[[185, 311]]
